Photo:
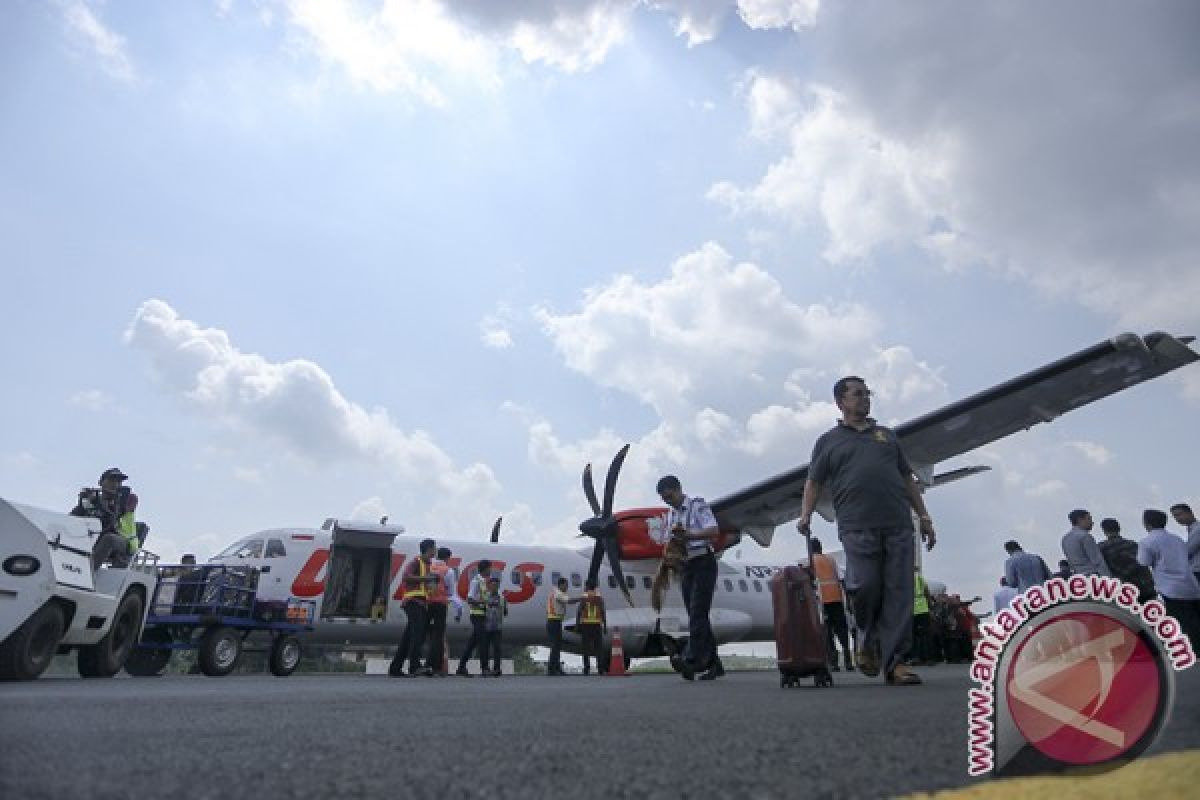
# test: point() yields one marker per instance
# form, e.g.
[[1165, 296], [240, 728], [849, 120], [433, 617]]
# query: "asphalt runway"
[[521, 737]]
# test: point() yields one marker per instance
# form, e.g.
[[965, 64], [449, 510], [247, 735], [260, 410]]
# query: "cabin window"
[[554, 577], [275, 548], [536, 577], [612, 581], [647, 582], [631, 581], [248, 548], [576, 580], [757, 586], [742, 585], [515, 577], [728, 585]]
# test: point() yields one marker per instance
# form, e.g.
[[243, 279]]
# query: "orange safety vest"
[[590, 611], [827, 582], [417, 592], [438, 593]]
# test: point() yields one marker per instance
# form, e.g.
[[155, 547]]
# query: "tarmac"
[[311, 736]]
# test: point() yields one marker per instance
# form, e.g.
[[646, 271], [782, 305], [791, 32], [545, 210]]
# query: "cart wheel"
[[106, 657], [220, 649], [149, 662], [285, 655], [27, 652]]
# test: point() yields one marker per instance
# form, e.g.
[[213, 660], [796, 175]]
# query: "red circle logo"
[[1084, 688]]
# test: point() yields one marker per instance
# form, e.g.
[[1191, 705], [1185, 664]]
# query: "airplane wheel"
[[285, 656], [220, 649], [28, 650], [106, 657], [149, 662]]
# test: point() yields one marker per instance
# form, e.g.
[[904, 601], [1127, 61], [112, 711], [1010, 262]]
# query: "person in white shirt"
[[1003, 596], [1080, 548], [1184, 516], [1166, 556]]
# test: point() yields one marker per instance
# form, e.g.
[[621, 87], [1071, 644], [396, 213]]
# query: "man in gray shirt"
[[1184, 516], [874, 495], [1081, 550], [1023, 571], [1166, 556]]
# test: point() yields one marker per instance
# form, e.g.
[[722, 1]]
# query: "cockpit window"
[[275, 548], [247, 548]]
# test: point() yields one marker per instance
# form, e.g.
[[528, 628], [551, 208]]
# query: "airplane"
[[344, 566]]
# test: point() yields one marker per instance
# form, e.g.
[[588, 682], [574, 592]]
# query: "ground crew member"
[[556, 611], [477, 597], [493, 621], [114, 505], [417, 583], [439, 599], [920, 646], [593, 625], [829, 582]]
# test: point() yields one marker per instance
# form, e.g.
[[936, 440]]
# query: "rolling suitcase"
[[800, 639]]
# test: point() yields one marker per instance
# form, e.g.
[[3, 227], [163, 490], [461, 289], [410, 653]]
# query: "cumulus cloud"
[[295, 405], [1094, 452], [493, 332], [372, 509], [1054, 147], [794, 14], [89, 33]]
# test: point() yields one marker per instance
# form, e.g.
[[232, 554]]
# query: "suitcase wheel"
[[824, 680]]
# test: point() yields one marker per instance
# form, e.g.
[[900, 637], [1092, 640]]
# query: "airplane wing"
[[1019, 404]]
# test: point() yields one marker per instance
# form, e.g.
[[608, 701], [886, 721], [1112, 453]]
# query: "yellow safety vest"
[[920, 603], [591, 610], [418, 593]]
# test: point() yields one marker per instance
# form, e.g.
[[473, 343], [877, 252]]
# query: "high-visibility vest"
[[481, 609], [417, 592], [590, 612], [826, 570], [438, 593], [920, 602], [552, 613]]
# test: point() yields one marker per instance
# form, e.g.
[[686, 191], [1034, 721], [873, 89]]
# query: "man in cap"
[[114, 505]]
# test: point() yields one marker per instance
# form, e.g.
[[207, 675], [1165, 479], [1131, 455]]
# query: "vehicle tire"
[[106, 657], [285, 656], [220, 650], [149, 662], [29, 649]]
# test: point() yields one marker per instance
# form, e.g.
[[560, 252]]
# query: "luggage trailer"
[[214, 609]]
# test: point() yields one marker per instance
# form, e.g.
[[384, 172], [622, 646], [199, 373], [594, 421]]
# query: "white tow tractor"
[[52, 602]]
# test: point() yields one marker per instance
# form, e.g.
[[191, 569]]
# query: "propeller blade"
[[597, 559], [610, 482], [613, 548], [496, 530], [590, 490]]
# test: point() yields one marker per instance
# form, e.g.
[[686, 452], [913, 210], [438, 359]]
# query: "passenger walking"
[[1002, 598], [497, 610], [477, 597], [874, 496], [592, 623], [1166, 556], [1184, 516], [1120, 554], [418, 581], [556, 611], [691, 520], [833, 601], [439, 600], [1080, 548], [1023, 571]]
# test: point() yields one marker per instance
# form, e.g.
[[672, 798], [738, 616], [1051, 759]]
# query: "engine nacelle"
[[642, 533]]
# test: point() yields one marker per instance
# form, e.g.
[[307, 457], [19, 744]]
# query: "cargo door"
[[359, 571]]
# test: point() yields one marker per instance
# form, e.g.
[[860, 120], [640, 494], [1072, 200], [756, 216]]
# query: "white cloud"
[[372, 509], [90, 33], [1054, 486], [494, 334], [91, 400], [794, 14], [248, 475], [699, 21], [1096, 453], [295, 405], [572, 39]]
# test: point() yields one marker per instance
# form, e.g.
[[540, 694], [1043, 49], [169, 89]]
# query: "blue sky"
[[289, 260]]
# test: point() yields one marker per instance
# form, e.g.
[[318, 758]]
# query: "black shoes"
[[462, 673]]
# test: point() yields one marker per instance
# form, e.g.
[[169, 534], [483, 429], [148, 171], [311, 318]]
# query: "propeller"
[[496, 530], [603, 527]]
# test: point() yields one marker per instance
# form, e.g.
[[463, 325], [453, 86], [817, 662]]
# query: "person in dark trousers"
[[493, 623], [477, 597], [1121, 556], [833, 601], [691, 520], [439, 600], [418, 579], [1167, 557], [1183, 515], [874, 497], [556, 612], [592, 624]]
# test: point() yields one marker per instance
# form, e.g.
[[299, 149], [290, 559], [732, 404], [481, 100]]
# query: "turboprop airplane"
[[345, 566]]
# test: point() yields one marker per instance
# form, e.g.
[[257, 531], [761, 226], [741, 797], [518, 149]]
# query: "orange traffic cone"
[[616, 665]]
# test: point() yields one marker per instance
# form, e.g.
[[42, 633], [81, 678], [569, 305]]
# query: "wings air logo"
[[1084, 689]]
